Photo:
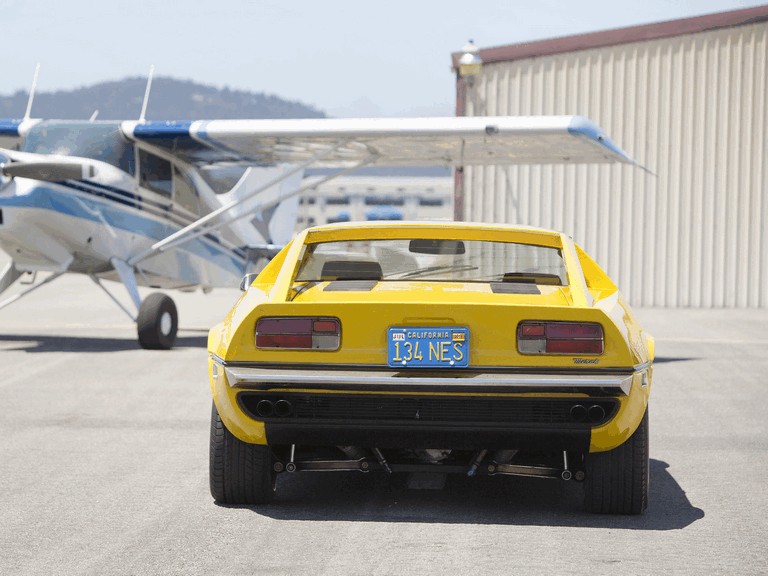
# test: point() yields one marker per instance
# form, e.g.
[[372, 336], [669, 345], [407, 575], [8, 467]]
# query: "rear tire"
[[617, 480], [158, 322], [239, 472]]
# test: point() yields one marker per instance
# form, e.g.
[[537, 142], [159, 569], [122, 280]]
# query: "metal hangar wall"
[[688, 100]]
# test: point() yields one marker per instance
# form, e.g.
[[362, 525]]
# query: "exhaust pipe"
[[596, 413], [265, 408], [579, 413], [283, 408]]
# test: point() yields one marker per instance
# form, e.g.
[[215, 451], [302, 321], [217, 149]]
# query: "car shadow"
[[667, 359], [375, 497], [37, 343]]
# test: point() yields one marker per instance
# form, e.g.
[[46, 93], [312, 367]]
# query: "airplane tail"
[[273, 217]]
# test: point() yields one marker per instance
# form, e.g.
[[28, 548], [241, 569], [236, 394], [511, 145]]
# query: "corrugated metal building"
[[688, 100]]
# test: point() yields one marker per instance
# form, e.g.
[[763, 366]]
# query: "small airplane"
[[199, 204]]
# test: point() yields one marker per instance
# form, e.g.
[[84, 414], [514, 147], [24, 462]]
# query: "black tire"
[[239, 472], [617, 480], [158, 322]]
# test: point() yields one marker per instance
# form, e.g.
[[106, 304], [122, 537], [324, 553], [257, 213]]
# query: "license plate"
[[432, 347]]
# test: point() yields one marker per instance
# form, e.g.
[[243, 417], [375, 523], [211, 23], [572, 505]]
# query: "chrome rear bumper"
[[270, 378]]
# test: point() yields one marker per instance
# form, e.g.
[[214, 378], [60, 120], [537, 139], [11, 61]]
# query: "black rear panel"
[[427, 421], [425, 409]]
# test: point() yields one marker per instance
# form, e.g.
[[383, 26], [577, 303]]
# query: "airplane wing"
[[345, 144], [497, 140]]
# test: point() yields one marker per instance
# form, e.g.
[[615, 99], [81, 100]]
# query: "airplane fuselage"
[[80, 226], [122, 202]]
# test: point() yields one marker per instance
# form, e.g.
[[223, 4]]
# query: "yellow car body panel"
[[492, 319]]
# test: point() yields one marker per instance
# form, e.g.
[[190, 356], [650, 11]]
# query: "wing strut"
[[264, 204], [115, 300], [190, 231], [128, 278], [20, 295], [9, 276]]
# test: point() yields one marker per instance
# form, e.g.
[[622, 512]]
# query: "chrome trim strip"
[[556, 370], [260, 378]]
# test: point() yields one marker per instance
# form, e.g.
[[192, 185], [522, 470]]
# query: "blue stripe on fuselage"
[[121, 197], [136, 201], [48, 198]]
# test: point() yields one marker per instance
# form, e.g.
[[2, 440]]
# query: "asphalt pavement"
[[104, 466]]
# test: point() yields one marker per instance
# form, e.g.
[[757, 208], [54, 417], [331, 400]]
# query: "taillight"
[[559, 338], [310, 333]]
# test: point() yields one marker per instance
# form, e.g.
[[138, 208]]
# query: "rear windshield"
[[432, 260]]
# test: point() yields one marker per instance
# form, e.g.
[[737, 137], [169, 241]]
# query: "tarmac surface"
[[104, 466]]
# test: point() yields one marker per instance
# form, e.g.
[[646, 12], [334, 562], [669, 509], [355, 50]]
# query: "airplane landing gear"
[[157, 322]]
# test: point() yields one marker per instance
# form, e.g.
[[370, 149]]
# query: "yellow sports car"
[[431, 347]]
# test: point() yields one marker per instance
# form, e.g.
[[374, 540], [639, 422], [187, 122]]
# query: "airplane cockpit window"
[[155, 174], [185, 192], [95, 140]]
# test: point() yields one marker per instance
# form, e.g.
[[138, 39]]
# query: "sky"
[[347, 58]]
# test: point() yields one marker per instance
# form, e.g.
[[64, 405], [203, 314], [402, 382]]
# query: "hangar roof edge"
[[617, 36]]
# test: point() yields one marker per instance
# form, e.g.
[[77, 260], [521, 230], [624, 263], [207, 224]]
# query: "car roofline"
[[447, 231], [432, 224]]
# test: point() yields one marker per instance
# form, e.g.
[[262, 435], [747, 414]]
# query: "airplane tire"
[[158, 322]]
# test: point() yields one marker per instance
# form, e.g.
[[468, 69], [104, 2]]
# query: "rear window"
[[433, 261]]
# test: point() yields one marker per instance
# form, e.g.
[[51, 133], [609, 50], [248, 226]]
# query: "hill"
[[170, 99]]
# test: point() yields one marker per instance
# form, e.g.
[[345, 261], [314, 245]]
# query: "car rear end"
[[475, 350]]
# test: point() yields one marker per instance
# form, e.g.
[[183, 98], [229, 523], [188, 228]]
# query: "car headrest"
[[351, 270]]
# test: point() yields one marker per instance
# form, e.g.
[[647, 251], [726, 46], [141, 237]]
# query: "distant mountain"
[[170, 99]]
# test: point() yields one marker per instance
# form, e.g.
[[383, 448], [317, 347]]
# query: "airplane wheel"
[[157, 322]]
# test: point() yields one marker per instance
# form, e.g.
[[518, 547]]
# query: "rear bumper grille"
[[426, 411]]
